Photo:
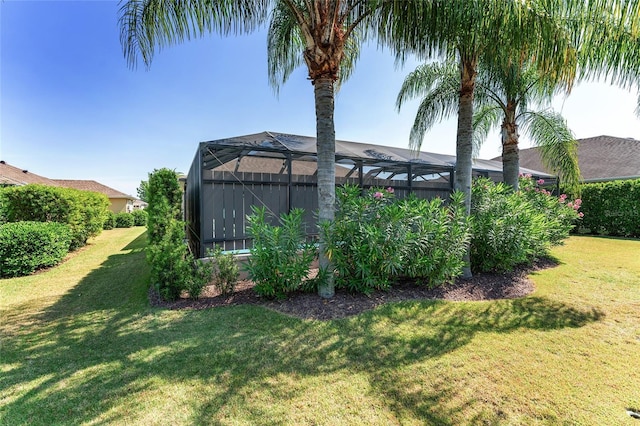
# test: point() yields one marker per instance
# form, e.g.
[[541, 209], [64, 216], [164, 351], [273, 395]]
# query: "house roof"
[[599, 158], [273, 144], [92, 185], [11, 175]]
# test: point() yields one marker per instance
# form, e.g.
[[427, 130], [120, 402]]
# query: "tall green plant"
[[173, 267], [165, 199], [280, 256]]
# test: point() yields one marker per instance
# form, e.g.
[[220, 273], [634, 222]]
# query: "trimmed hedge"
[[612, 208], [85, 212], [139, 217], [28, 246], [110, 221], [124, 220]]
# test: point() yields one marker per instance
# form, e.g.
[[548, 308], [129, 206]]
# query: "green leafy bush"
[[561, 214], [110, 221], [28, 246], [512, 228], [85, 212], [170, 266], [280, 257], [124, 220], [376, 239], [139, 217], [173, 268], [164, 198], [612, 208], [226, 272], [200, 275]]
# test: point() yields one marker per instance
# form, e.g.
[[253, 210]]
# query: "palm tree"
[[504, 96], [316, 32], [472, 32], [519, 95]]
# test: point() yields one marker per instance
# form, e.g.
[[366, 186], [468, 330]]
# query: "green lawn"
[[80, 345]]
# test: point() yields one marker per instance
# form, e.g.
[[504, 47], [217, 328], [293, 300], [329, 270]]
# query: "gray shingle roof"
[[599, 158]]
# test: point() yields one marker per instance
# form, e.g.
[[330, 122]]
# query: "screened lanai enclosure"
[[278, 171]]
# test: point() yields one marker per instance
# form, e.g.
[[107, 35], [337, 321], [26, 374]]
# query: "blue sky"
[[71, 108]]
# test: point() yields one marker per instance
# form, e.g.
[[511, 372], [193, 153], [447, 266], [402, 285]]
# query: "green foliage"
[[165, 198], [85, 212], [170, 268], [512, 228], [28, 246], [280, 258], [110, 221], [376, 239], [140, 217], [225, 272], [612, 208], [200, 274], [142, 190], [124, 220], [173, 268], [561, 214]]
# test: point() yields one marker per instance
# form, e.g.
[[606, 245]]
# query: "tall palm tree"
[[506, 95], [517, 97], [318, 29], [473, 32]]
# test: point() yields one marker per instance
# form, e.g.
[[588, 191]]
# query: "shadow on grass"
[[100, 350]]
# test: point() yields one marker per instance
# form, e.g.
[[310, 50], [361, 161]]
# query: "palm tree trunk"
[[326, 146], [510, 154], [464, 142]]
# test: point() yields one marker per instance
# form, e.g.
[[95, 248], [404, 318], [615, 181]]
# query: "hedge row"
[[28, 246], [83, 211], [612, 208]]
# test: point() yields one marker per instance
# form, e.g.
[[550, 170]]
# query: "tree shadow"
[[89, 356]]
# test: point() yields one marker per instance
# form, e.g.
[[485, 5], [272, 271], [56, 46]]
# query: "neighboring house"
[[139, 205], [14, 176], [120, 202], [601, 158]]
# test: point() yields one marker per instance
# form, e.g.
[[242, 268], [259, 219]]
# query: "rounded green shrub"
[[376, 239], [139, 217], [124, 220], [110, 222], [513, 228], [280, 257], [28, 246]]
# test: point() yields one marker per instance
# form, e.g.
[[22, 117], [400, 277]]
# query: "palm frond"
[[440, 103], [485, 118], [421, 81], [558, 147], [147, 25], [285, 46], [351, 56]]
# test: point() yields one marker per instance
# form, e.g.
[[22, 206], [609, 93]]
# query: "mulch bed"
[[485, 286]]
